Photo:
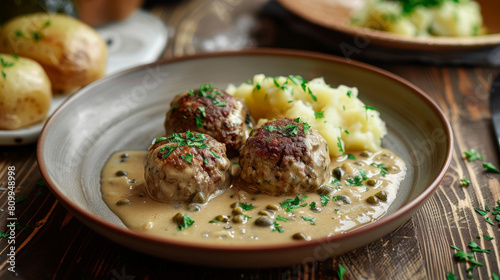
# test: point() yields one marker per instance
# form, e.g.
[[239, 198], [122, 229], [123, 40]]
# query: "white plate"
[[139, 40]]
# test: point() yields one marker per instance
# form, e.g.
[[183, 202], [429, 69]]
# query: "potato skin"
[[71, 52], [25, 92]]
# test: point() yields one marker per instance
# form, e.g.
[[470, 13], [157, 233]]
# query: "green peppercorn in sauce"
[[360, 190]]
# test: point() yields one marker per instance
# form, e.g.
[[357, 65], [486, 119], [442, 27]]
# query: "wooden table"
[[51, 244]]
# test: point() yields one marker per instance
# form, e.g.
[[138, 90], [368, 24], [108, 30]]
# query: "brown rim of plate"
[[119, 230], [318, 14]]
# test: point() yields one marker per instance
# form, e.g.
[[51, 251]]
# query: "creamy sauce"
[[346, 208]]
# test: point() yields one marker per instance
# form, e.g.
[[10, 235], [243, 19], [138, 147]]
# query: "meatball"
[[212, 111], [184, 164], [285, 157]]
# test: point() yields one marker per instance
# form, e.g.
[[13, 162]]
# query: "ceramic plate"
[[137, 41], [126, 110], [337, 14]]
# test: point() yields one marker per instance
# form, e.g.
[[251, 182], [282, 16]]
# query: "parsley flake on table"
[[341, 272], [464, 182], [481, 212], [490, 167], [468, 257], [450, 276], [489, 221], [475, 248], [473, 155]]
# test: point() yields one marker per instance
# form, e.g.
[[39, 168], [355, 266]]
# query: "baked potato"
[[71, 52], [25, 92]]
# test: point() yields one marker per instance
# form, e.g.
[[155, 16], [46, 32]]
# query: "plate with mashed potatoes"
[[255, 158], [413, 25]]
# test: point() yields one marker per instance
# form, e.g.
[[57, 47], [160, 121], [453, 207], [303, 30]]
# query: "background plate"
[[337, 14], [127, 110]]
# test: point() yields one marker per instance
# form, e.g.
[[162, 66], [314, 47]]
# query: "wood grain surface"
[[51, 244]]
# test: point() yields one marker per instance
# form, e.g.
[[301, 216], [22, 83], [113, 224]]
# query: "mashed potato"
[[337, 113], [452, 18]]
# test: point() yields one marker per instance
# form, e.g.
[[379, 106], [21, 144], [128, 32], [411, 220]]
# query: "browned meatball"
[[211, 111], [285, 156], [183, 164]]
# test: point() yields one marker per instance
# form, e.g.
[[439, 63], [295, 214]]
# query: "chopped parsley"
[[271, 128], [185, 223], [196, 140], [275, 80], [324, 199], [291, 204], [277, 227], [159, 139], [475, 248], [490, 167], [341, 272], [202, 110], [319, 115], [281, 218], [339, 144], [473, 155], [214, 153], [463, 256], [246, 206], [464, 182], [188, 157], [481, 212], [489, 221], [291, 129], [383, 169], [312, 205], [199, 121], [355, 181], [351, 156], [309, 219], [219, 103], [349, 93], [341, 198], [5, 64], [335, 181], [362, 172], [306, 127]]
